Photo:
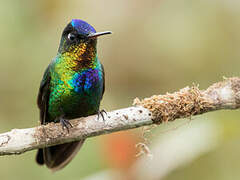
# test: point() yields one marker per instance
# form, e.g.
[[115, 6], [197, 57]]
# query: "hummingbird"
[[72, 86]]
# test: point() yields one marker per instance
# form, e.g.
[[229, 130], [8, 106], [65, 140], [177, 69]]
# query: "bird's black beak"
[[97, 34]]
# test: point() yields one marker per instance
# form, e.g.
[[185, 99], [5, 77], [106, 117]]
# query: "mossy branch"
[[187, 102]]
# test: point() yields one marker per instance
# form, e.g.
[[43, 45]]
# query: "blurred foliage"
[[157, 46]]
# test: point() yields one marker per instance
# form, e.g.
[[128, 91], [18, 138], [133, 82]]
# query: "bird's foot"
[[101, 113], [65, 124]]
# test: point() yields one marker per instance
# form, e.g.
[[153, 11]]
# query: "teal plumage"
[[72, 86], [78, 93]]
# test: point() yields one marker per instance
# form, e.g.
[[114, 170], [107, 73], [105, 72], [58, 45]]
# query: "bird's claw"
[[101, 113], [65, 124]]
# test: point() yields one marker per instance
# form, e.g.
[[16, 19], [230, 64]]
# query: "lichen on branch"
[[184, 103]]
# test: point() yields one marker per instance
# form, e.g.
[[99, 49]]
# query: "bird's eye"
[[71, 36]]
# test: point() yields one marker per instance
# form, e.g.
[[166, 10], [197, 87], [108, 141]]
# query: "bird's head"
[[79, 38]]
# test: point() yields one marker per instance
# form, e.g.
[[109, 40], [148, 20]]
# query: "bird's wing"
[[103, 74], [43, 95]]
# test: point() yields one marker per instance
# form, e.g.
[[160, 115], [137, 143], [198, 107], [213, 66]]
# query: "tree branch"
[[187, 102]]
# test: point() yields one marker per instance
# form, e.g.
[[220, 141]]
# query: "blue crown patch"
[[82, 27]]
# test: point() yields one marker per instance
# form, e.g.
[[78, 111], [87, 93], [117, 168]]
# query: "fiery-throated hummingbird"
[[72, 86]]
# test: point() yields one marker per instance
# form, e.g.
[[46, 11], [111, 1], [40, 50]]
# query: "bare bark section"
[[156, 109]]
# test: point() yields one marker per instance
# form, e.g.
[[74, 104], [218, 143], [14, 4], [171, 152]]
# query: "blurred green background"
[[157, 46]]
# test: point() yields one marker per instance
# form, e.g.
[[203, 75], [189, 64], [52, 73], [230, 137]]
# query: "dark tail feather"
[[57, 157], [39, 157]]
